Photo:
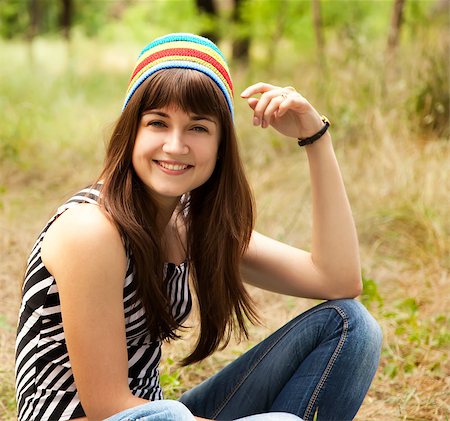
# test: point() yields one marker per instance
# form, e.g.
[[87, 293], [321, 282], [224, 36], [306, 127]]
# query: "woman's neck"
[[166, 209]]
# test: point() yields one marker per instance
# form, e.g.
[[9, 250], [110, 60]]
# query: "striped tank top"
[[45, 387]]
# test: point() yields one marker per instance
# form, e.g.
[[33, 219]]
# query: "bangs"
[[189, 90]]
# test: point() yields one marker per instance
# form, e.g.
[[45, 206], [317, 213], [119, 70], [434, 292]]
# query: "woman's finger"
[[293, 101], [257, 88], [266, 98], [252, 102], [271, 109]]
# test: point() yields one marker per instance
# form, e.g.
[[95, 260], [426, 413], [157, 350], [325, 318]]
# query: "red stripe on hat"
[[189, 52]]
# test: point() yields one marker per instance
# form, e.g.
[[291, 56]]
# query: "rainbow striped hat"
[[186, 51]]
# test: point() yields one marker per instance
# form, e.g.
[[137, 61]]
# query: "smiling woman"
[[111, 274], [175, 152]]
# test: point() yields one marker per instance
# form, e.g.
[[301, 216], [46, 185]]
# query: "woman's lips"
[[173, 167]]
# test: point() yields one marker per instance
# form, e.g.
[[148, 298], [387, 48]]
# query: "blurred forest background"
[[379, 69]]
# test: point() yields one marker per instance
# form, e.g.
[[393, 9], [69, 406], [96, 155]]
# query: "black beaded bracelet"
[[308, 140]]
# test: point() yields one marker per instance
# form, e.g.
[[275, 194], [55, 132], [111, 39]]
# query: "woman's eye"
[[156, 123], [200, 129]]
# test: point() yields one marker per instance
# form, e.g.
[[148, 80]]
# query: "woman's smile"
[[172, 167]]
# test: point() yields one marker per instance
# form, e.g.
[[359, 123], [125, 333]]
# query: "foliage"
[[416, 339], [430, 101], [368, 19], [370, 294], [14, 19], [170, 379], [261, 20], [7, 394], [271, 21]]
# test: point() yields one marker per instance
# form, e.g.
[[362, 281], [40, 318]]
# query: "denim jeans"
[[162, 410], [322, 362], [169, 410]]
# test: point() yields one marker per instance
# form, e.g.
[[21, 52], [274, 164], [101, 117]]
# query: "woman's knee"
[[160, 410], [176, 411], [362, 326]]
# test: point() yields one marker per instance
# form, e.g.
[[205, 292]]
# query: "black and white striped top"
[[45, 387]]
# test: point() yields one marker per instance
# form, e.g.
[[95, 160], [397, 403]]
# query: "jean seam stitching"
[[330, 364], [252, 368]]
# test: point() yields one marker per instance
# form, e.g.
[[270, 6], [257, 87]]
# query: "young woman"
[[111, 274]]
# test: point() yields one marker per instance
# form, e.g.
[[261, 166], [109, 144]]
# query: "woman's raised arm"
[[332, 269]]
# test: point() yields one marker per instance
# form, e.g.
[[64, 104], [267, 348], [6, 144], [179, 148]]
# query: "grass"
[[391, 139]]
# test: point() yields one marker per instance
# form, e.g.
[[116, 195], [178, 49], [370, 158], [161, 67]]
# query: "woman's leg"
[[162, 410], [322, 361]]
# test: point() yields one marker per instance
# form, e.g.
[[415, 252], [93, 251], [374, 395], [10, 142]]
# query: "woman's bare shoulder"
[[79, 231]]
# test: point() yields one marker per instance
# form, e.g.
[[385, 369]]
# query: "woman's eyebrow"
[[203, 117], [160, 113]]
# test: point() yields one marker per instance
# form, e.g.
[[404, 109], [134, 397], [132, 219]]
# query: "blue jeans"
[[322, 362], [169, 410]]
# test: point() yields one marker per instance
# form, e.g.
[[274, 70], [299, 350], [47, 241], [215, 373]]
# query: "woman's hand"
[[284, 109]]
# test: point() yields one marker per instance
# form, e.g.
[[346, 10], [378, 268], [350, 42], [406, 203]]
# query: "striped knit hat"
[[185, 51]]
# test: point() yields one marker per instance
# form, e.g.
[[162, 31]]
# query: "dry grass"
[[398, 180]]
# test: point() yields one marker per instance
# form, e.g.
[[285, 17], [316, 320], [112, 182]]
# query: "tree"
[[241, 43], [66, 17], [209, 8], [317, 24], [35, 18], [396, 23]]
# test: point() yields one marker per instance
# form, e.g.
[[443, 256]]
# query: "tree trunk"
[[206, 6], [396, 23], [317, 23], [35, 18], [279, 18], [241, 44], [66, 17], [209, 7]]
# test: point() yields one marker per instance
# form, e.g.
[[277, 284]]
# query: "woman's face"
[[175, 152]]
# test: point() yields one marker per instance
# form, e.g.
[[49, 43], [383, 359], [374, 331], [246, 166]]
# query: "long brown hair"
[[218, 215]]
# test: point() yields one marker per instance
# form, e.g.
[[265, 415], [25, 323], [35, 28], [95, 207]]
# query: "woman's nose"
[[174, 144]]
